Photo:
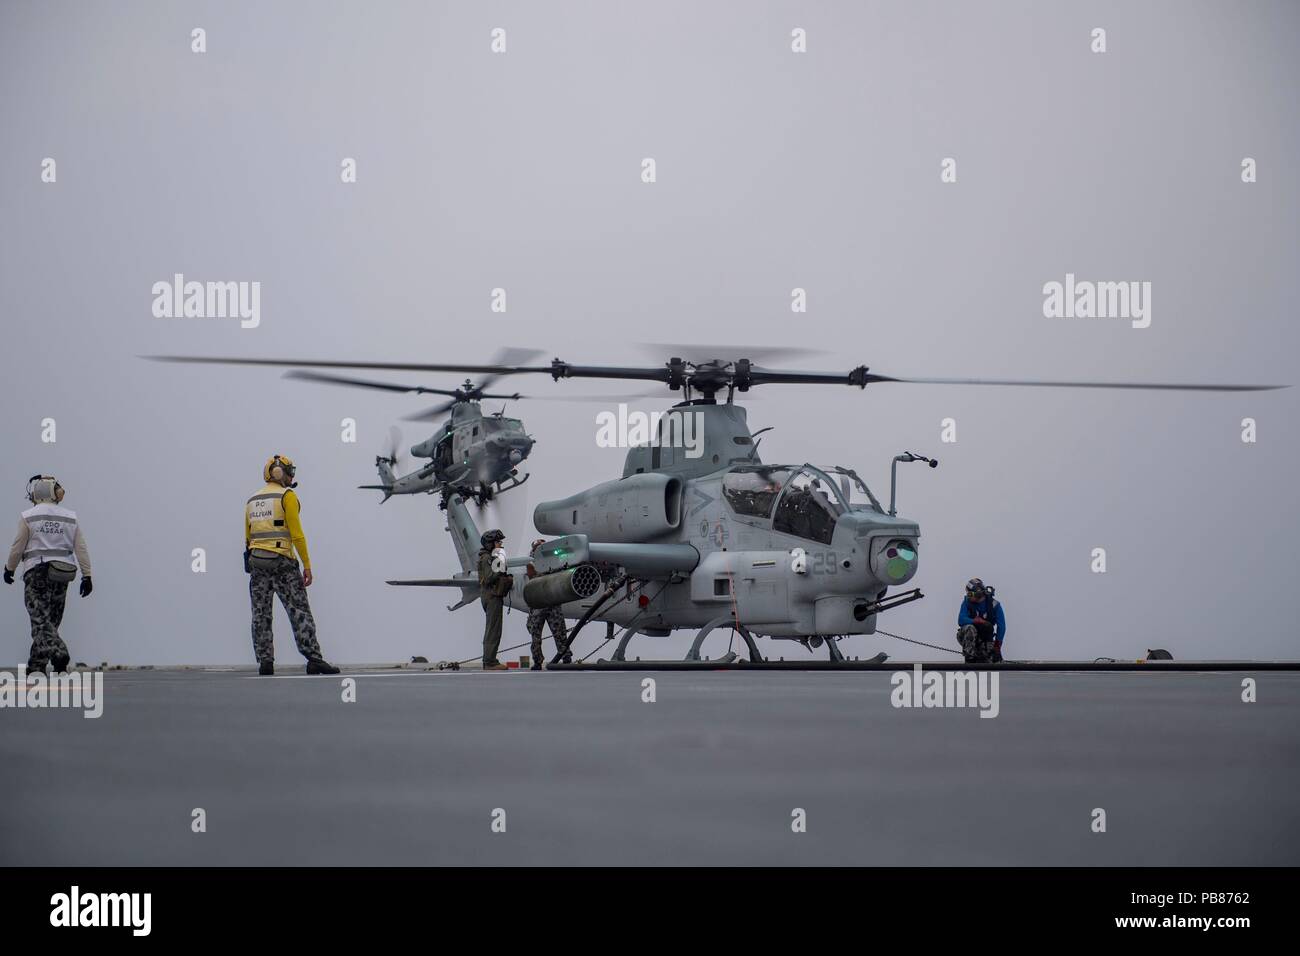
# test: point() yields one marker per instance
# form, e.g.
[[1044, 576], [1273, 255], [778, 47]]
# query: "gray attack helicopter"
[[477, 455], [700, 533], [705, 535]]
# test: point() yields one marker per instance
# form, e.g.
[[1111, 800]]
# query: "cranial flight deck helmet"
[[42, 488], [280, 468]]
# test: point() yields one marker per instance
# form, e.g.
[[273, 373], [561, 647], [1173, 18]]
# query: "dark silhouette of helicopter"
[[475, 454]]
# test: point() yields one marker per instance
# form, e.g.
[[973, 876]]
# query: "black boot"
[[316, 665], [266, 669]]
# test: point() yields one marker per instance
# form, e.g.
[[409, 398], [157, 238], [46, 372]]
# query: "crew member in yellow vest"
[[272, 535], [47, 551]]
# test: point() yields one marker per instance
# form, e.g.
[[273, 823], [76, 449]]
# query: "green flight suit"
[[493, 587]]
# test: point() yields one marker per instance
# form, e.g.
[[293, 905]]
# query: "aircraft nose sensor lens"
[[900, 561]]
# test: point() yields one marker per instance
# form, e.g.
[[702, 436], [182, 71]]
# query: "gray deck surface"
[[709, 774]]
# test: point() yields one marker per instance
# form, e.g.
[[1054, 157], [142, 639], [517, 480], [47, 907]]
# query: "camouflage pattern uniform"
[[546, 615], [493, 587], [977, 644], [286, 581], [45, 600]]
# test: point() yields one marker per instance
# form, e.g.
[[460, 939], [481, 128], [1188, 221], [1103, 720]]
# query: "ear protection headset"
[[280, 468], [44, 488]]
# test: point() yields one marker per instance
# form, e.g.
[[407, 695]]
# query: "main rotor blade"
[[326, 379], [506, 358], [496, 370], [657, 373], [767, 376], [437, 411], [758, 376], [656, 396], [1036, 383]]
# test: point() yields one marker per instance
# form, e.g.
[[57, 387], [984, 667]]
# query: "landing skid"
[[515, 482], [833, 654], [485, 493], [694, 653]]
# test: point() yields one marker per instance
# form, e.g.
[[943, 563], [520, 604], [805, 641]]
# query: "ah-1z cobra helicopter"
[[720, 539]]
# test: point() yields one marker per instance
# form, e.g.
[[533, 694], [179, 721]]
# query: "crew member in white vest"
[[272, 535], [47, 551]]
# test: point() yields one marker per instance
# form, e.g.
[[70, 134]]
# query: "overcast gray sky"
[[775, 170]]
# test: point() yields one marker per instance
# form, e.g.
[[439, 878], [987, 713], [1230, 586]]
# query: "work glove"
[[248, 558], [9, 576], [86, 586]]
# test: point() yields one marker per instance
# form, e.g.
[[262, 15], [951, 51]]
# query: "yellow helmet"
[[279, 468]]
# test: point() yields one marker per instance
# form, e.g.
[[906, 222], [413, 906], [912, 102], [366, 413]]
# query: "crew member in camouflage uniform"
[[981, 624], [272, 533], [493, 587], [49, 547], [538, 616]]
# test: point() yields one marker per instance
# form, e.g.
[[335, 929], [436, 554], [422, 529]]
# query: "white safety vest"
[[51, 536]]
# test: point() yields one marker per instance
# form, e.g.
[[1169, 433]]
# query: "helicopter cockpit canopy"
[[751, 490], [809, 501], [809, 506]]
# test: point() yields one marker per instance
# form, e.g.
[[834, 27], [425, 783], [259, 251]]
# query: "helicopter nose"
[[519, 449]]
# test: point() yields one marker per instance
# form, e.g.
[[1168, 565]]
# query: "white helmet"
[[43, 488]]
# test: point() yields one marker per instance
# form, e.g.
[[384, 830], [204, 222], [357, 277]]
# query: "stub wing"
[[469, 589]]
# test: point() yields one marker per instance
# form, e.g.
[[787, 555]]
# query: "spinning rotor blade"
[[705, 377], [394, 443], [605, 399], [505, 365], [1034, 383], [511, 398], [505, 358], [431, 414], [363, 383]]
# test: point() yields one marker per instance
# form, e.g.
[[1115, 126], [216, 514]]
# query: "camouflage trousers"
[[546, 615], [284, 580], [977, 644], [45, 600]]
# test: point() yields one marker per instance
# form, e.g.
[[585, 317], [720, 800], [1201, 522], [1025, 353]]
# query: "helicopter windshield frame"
[[862, 486], [809, 506]]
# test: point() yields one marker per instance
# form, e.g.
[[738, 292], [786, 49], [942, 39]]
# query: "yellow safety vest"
[[267, 530]]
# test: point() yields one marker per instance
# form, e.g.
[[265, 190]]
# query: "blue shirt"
[[968, 611]]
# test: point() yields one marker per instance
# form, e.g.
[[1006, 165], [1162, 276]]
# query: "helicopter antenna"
[[753, 452]]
